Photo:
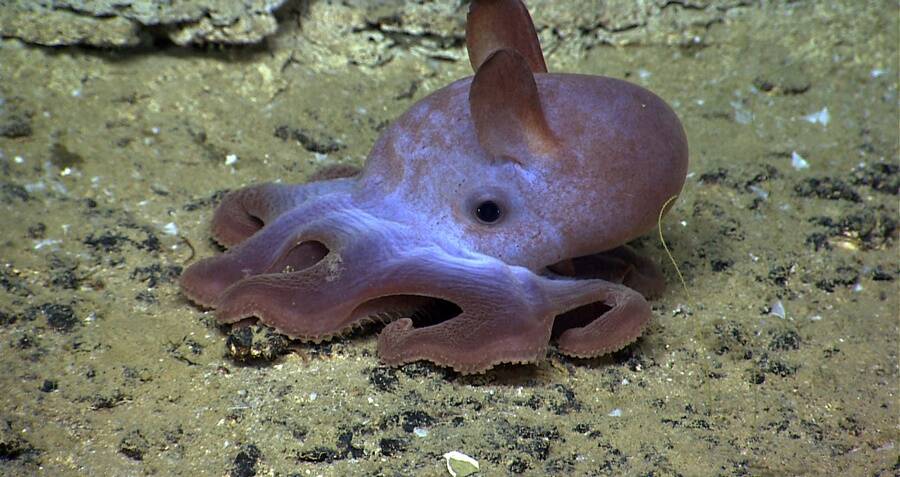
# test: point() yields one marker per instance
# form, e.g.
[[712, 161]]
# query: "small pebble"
[[742, 115]]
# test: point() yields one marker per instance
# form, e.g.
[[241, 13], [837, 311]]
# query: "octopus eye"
[[488, 212]]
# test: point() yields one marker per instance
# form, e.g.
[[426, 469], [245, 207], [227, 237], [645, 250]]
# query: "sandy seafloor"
[[780, 358]]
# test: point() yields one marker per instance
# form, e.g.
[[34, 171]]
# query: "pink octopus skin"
[[497, 207]]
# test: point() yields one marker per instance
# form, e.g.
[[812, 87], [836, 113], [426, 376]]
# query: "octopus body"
[[489, 221]]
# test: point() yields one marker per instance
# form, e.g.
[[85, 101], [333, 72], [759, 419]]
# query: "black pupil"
[[488, 211]]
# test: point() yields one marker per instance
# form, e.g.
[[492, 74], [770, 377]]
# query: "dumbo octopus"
[[488, 221]]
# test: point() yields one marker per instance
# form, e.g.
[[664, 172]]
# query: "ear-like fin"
[[506, 108], [493, 25]]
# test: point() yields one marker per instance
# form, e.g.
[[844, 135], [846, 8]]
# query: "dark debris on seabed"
[[256, 344]]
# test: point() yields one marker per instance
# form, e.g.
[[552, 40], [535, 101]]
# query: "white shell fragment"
[[821, 117], [798, 162], [777, 309], [170, 229], [760, 192], [460, 465]]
